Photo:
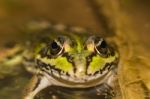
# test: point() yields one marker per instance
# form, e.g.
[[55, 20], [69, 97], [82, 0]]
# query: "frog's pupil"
[[103, 44], [102, 47], [55, 48], [54, 45]]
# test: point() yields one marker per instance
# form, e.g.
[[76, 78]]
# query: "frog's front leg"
[[37, 83], [105, 90]]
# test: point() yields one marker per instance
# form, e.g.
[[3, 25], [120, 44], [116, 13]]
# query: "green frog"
[[70, 59]]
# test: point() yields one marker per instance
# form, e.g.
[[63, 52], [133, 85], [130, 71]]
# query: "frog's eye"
[[101, 47], [55, 48]]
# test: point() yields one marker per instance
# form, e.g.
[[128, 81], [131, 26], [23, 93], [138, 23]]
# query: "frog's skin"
[[71, 60]]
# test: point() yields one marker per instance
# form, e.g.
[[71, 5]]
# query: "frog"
[[71, 59]]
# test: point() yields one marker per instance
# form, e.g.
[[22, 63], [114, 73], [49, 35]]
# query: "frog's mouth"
[[71, 80], [82, 83]]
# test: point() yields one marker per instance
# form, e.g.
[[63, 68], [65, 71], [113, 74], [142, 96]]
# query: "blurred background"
[[105, 16], [15, 13]]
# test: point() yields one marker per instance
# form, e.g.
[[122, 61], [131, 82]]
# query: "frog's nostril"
[[89, 59]]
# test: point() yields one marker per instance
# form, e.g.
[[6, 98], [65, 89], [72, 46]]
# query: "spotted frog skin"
[[71, 60]]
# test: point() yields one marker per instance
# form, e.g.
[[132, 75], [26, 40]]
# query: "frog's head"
[[77, 59]]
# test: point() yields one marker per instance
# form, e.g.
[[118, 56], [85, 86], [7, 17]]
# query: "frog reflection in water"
[[74, 61]]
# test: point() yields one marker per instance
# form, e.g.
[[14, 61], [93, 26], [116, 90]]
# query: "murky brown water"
[[133, 24]]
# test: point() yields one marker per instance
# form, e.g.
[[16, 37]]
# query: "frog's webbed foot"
[[37, 83], [105, 90]]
